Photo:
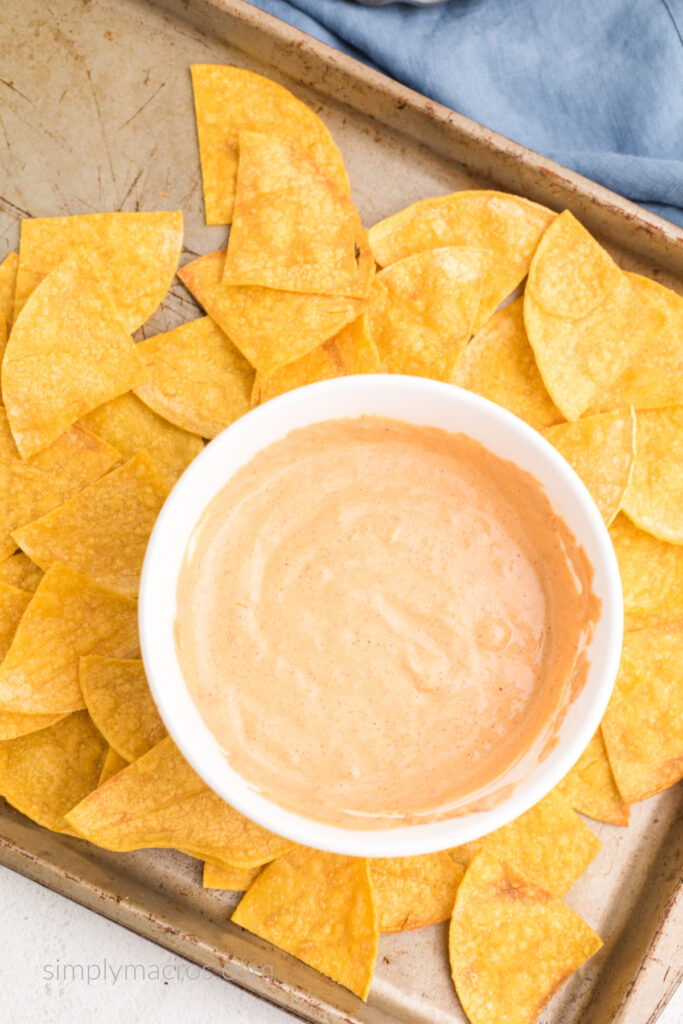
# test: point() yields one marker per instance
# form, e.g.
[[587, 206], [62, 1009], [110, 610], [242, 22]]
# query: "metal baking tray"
[[97, 115]]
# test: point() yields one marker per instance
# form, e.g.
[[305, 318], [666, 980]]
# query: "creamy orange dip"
[[377, 619]]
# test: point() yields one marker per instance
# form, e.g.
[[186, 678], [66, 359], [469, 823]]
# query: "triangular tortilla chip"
[[655, 378], [590, 787], [68, 353], [499, 364], [44, 774], [654, 497], [292, 227], [197, 378], [159, 801], [103, 531], [129, 425], [643, 724], [19, 571], [228, 100], [601, 449], [427, 309], [136, 255], [585, 319], [414, 892], [512, 945], [219, 876], [31, 487], [319, 907], [67, 616], [506, 225], [271, 328], [651, 576], [118, 698]]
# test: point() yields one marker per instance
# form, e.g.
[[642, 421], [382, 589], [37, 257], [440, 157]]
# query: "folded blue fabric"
[[595, 84]]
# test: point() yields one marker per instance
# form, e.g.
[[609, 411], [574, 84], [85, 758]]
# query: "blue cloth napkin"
[[595, 84]]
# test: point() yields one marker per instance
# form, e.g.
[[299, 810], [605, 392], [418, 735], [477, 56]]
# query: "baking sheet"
[[96, 114]]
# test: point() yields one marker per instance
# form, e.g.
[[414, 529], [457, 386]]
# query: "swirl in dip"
[[377, 619]]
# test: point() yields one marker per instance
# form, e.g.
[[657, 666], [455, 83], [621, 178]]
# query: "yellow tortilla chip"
[[8, 282], [512, 944], [351, 351], [19, 571], [651, 576], [413, 892], [67, 616], [499, 364], [44, 774], [271, 328], [585, 319], [118, 698], [319, 907], [103, 531], [643, 724], [68, 353], [601, 449], [197, 378], [113, 764], [159, 801], [229, 100], [654, 497], [31, 487], [424, 317], [655, 378], [590, 787], [292, 227], [508, 226], [220, 876], [135, 256], [549, 844], [130, 425]]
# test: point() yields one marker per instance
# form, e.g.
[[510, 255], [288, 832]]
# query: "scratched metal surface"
[[96, 114]]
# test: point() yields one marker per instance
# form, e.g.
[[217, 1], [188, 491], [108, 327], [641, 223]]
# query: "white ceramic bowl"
[[415, 400]]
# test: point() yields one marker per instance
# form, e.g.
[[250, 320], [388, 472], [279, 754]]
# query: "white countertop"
[[40, 932]]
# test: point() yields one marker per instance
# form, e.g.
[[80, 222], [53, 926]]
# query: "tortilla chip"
[[135, 256], [319, 907], [508, 226], [103, 531], [499, 364], [590, 787], [655, 378], [130, 425], [413, 892], [585, 319], [651, 576], [113, 764], [512, 945], [8, 281], [643, 724], [31, 487], [159, 801], [219, 876], [601, 449], [67, 616], [19, 571], [229, 100], [351, 351], [654, 497], [549, 844], [271, 328], [197, 378], [68, 353], [44, 774], [118, 698], [424, 317]]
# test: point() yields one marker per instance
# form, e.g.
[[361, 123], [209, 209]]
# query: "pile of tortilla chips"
[[95, 429]]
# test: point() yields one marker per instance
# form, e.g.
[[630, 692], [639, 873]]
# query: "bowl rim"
[[156, 621]]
